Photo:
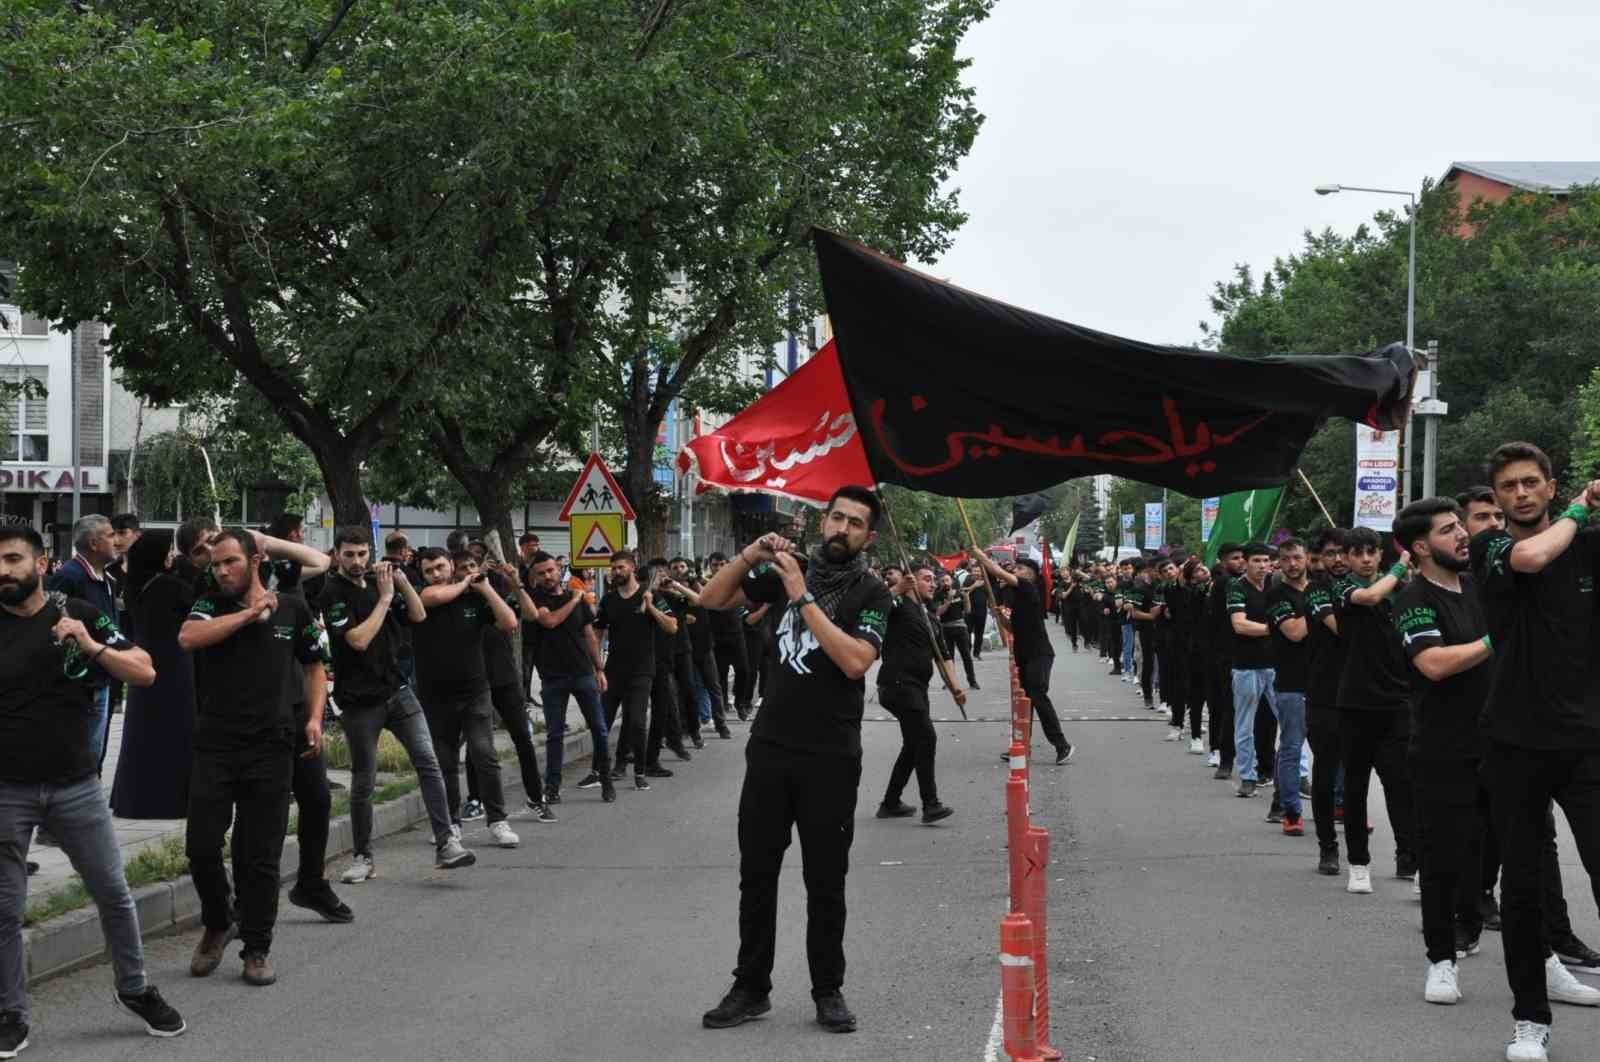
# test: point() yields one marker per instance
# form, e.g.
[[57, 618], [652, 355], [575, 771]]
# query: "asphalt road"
[[1183, 927]]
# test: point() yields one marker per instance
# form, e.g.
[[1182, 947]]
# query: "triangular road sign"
[[596, 545], [596, 493]]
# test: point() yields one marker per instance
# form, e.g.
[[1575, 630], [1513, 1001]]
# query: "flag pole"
[[994, 604], [905, 564], [1315, 497]]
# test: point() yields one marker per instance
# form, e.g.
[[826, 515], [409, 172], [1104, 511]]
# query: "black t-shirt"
[[1030, 639], [727, 624], [499, 661], [449, 648], [282, 576], [1376, 676], [1545, 693], [362, 678], [699, 630], [666, 646], [1444, 715], [1248, 654], [630, 635], [978, 603], [47, 693], [1290, 659], [811, 705], [246, 686], [910, 645], [1143, 598], [950, 607], [1327, 648], [564, 649], [1219, 627]]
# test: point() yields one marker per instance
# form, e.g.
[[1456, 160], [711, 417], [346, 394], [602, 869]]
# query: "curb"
[[74, 941]]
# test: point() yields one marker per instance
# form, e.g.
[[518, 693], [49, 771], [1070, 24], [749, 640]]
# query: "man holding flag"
[[1031, 643]]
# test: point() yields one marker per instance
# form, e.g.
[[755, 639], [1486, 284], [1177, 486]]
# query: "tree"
[[1586, 435]]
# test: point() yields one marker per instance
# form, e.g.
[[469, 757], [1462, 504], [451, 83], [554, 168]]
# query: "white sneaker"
[[1215, 759], [1174, 734], [1197, 747], [361, 869], [1562, 987], [1442, 987], [1360, 880], [1530, 1042], [500, 833]]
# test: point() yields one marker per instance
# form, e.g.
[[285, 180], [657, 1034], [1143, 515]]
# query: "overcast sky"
[[1134, 151]]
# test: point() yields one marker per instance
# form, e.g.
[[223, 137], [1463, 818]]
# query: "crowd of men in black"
[[1455, 658]]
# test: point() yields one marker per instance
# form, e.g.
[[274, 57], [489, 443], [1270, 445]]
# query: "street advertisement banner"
[[1377, 477], [1209, 507], [1127, 532], [1155, 525]]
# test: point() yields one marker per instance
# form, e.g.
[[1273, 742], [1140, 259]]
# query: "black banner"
[[965, 396], [1028, 508]]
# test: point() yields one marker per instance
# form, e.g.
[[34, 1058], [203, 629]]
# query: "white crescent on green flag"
[[1243, 517]]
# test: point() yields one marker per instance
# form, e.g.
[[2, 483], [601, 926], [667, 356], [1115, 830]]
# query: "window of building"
[[25, 419]]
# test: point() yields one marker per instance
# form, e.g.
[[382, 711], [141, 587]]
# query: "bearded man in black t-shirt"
[[804, 753]]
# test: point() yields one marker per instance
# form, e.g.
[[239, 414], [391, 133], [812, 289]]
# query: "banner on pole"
[[1208, 516], [1155, 525], [1128, 539], [1377, 477]]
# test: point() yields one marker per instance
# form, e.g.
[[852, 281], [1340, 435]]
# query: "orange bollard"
[[1035, 886], [1017, 846], [1017, 991]]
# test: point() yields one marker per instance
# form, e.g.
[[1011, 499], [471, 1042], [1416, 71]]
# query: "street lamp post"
[[1411, 337]]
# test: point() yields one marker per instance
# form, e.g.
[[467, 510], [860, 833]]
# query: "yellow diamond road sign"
[[595, 538]]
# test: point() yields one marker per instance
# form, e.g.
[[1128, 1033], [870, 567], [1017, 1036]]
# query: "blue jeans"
[[554, 691], [1248, 688], [77, 816], [102, 725], [702, 697], [1290, 708], [1127, 648]]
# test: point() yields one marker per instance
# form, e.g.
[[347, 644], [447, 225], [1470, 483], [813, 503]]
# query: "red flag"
[[952, 562], [798, 440], [1046, 572]]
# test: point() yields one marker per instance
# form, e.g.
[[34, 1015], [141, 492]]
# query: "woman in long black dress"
[[153, 767]]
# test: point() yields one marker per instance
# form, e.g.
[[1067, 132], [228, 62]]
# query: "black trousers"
[[1522, 783], [1175, 682], [1221, 725], [979, 620], [758, 660], [511, 705], [1070, 620], [1449, 819], [666, 726], [1196, 691], [959, 639], [1322, 731], [733, 656], [631, 694], [815, 794], [530, 650], [469, 719], [1376, 741], [1147, 659], [313, 805], [245, 786], [1087, 627], [1267, 743], [683, 682], [1111, 641], [908, 703], [1034, 673], [706, 665], [1557, 919]]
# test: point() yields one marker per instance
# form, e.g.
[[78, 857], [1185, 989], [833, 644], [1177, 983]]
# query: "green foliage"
[[165, 861], [1586, 433], [1183, 513]]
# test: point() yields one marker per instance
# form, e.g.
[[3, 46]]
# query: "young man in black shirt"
[[1288, 614], [1142, 611], [666, 726], [732, 651], [1374, 700], [1322, 699], [453, 678], [911, 649], [58, 653], [1030, 644], [630, 617], [1230, 566], [804, 753], [1541, 724], [364, 618], [951, 606], [1254, 675], [977, 606], [256, 655], [569, 666]]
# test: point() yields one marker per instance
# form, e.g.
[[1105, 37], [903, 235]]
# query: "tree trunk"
[[639, 484], [341, 477]]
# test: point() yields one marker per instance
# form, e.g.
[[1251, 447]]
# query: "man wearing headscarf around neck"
[[803, 760]]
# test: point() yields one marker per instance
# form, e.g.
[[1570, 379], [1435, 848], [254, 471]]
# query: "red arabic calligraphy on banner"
[[798, 440]]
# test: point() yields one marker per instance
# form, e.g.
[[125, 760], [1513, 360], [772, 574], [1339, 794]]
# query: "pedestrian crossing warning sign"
[[595, 538], [595, 493]]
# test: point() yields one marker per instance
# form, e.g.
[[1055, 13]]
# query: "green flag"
[[1072, 540], [1243, 517]]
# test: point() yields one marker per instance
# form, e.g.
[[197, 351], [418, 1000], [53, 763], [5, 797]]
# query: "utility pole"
[[1431, 410]]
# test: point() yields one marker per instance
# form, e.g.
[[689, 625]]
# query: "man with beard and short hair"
[[911, 649], [1541, 724], [453, 679], [58, 650], [1322, 697], [364, 623], [1254, 675], [804, 753], [630, 617], [1030, 644], [246, 642], [1288, 614], [570, 665]]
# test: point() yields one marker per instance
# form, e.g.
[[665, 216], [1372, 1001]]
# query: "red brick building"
[[1493, 182]]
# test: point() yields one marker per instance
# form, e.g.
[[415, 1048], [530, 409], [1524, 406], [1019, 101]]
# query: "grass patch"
[[392, 758], [163, 862]]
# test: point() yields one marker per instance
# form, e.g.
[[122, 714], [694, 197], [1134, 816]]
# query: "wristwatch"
[[807, 598]]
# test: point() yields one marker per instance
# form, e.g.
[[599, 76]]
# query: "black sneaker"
[[655, 770], [1064, 754], [1329, 862], [619, 771], [640, 783], [1467, 941], [321, 899], [1490, 911], [679, 751], [724, 733], [697, 741], [1575, 953], [974, 684], [588, 781], [736, 1008], [833, 1015], [1275, 813], [552, 794], [540, 812], [932, 813], [13, 1034], [1405, 865], [898, 810], [1222, 774], [608, 790], [33, 868], [471, 811], [159, 1018]]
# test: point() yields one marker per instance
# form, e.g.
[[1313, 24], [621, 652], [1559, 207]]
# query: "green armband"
[[1488, 644], [1578, 514], [1399, 570]]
